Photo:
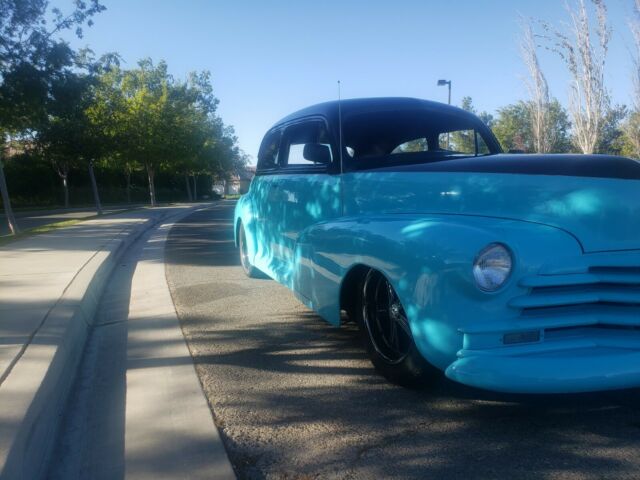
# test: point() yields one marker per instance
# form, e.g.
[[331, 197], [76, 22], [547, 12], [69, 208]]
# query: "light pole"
[[442, 83]]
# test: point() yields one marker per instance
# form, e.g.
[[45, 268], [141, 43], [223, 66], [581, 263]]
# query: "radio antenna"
[[340, 126]]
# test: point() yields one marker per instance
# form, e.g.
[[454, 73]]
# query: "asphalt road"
[[295, 398]]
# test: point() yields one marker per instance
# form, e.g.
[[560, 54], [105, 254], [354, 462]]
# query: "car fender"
[[243, 213], [428, 259]]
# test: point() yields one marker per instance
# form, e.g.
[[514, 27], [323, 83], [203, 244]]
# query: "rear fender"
[[243, 214]]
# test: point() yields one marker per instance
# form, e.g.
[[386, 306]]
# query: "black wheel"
[[248, 269], [387, 334]]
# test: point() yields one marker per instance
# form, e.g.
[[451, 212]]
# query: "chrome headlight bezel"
[[492, 267]]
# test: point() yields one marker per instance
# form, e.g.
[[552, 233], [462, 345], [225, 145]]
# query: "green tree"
[[611, 140], [191, 106], [109, 114], [559, 125], [145, 124], [31, 56], [69, 137], [159, 123], [514, 130], [631, 135]]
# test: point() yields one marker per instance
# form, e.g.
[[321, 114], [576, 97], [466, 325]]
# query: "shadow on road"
[[297, 398]]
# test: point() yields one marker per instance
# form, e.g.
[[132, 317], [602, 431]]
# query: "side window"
[[306, 144], [416, 145], [458, 141], [268, 154], [468, 142], [483, 148]]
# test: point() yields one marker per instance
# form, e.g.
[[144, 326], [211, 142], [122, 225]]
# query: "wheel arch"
[[241, 216], [236, 232], [349, 287]]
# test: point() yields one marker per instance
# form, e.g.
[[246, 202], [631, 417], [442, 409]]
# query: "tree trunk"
[[152, 187], [127, 174], [195, 188], [186, 180], [65, 185], [8, 212], [94, 185]]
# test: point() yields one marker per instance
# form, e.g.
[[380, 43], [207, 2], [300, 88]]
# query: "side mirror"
[[317, 153]]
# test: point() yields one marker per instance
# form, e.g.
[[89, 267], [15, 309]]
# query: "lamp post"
[[442, 83]]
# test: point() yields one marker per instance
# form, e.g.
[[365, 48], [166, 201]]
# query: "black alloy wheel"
[[387, 334]]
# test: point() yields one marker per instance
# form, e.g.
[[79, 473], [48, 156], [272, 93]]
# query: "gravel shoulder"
[[296, 398]]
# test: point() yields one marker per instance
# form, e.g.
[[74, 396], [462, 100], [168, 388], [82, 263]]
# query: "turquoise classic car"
[[508, 272]]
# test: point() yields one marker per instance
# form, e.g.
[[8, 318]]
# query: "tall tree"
[[68, 137], [30, 55], [631, 127], [585, 57], [109, 115], [146, 93], [634, 24], [539, 104], [189, 114]]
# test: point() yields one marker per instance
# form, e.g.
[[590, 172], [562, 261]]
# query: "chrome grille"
[[597, 295]]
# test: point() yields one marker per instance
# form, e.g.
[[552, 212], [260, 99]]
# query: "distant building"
[[237, 184]]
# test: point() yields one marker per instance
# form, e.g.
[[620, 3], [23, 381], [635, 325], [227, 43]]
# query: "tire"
[[387, 336], [247, 268]]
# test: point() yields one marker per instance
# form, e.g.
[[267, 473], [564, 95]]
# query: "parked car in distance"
[[513, 273]]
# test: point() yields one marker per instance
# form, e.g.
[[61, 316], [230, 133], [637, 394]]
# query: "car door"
[[308, 190], [266, 212]]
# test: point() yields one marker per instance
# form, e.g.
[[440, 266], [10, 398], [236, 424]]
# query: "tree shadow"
[[296, 398]]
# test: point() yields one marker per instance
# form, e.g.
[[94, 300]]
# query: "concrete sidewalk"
[[36, 271], [137, 410], [50, 285]]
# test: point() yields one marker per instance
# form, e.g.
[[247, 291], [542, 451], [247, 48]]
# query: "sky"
[[270, 58]]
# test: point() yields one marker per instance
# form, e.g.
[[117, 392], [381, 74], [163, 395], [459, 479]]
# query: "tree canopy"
[[514, 127], [73, 111]]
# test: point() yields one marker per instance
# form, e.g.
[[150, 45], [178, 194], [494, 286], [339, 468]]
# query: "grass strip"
[[50, 227]]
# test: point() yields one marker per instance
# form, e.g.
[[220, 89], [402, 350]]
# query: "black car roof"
[[355, 106]]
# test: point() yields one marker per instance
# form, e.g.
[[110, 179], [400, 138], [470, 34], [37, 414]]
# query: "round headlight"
[[492, 267]]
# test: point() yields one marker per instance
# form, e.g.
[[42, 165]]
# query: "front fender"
[[428, 259]]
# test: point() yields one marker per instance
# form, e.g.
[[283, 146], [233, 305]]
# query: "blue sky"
[[269, 58]]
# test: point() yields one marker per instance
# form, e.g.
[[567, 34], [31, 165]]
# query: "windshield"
[[413, 136]]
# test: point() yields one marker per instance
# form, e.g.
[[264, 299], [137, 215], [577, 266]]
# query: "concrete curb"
[[34, 395], [170, 432]]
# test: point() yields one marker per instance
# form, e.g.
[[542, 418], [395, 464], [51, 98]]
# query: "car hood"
[[597, 202]]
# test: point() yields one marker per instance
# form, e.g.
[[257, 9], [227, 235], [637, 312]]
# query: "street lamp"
[[442, 83]]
